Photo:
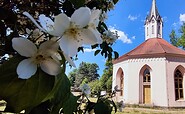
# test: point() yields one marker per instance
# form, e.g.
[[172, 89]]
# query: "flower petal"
[[81, 16], [69, 60], [50, 66], [26, 69], [69, 45], [95, 15], [24, 46], [33, 20], [97, 34], [61, 23], [88, 37], [50, 44], [47, 24]]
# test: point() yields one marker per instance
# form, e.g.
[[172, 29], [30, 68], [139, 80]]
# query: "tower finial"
[[153, 23]]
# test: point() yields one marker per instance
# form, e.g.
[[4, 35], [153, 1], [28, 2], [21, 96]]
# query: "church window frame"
[[146, 76], [159, 30], [178, 85], [152, 29], [147, 31]]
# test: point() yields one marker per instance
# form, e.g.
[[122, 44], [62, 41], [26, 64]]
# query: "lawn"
[[133, 110]]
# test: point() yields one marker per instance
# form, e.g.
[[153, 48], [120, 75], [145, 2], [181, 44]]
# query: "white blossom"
[[77, 33], [110, 37], [42, 57], [53, 28], [85, 89], [36, 35]]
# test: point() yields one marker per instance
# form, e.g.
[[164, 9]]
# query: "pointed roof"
[[151, 47], [153, 11]]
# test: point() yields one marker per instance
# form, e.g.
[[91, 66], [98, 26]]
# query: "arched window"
[[178, 79], [159, 30], [146, 75], [152, 29], [121, 85], [147, 31]]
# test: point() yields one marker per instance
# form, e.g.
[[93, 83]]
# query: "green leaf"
[[62, 96], [94, 46], [77, 3], [23, 94], [114, 105], [102, 107], [115, 1], [96, 52], [116, 55], [104, 25], [70, 105]]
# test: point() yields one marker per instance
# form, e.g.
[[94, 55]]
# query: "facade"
[[153, 73]]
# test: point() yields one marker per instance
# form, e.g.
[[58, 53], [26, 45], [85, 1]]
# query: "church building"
[[154, 72]]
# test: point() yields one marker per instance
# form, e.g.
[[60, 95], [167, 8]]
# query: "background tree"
[[95, 87], [173, 38], [178, 40], [86, 72], [72, 76], [106, 79]]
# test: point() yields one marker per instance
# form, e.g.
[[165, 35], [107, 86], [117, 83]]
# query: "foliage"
[[86, 72], [44, 92], [178, 40], [95, 87], [72, 76], [105, 80]]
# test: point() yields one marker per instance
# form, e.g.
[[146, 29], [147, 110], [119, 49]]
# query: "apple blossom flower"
[[120, 105], [48, 26], [109, 36], [42, 57], [73, 31], [36, 35], [103, 16], [93, 24], [85, 89], [77, 33]]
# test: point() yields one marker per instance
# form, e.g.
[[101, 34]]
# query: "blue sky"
[[128, 19]]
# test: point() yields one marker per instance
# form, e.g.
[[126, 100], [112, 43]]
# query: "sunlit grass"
[[130, 110]]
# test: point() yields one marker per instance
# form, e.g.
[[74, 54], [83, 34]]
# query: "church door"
[[146, 94], [146, 87]]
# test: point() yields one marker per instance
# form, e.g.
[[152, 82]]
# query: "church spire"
[[153, 23]]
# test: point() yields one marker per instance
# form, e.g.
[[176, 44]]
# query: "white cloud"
[[165, 19], [132, 18], [182, 17], [181, 20], [134, 37], [122, 36], [89, 50]]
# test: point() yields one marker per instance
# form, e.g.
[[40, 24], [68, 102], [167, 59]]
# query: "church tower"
[[153, 23]]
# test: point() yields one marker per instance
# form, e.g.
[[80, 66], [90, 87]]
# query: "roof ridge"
[[161, 45]]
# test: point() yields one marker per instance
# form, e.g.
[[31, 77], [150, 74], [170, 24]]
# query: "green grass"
[[131, 110]]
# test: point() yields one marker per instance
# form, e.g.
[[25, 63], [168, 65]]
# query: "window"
[[147, 31], [146, 75], [152, 29], [159, 30], [121, 85], [178, 79]]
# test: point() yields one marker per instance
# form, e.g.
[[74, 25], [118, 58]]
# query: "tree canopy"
[[86, 72], [178, 40]]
